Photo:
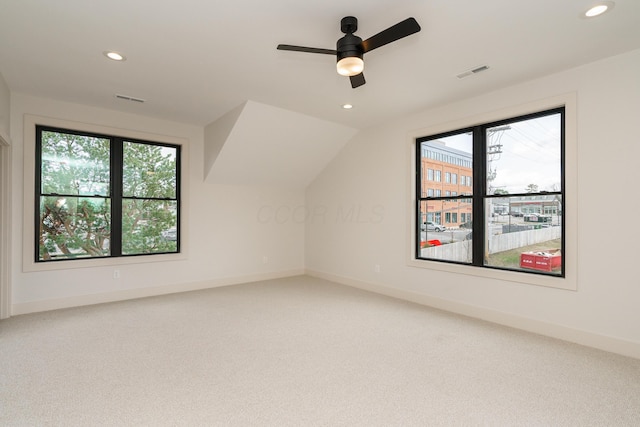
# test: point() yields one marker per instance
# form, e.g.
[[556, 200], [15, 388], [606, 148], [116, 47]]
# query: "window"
[[430, 174], [104, 196], [438, 176], [516, 178]]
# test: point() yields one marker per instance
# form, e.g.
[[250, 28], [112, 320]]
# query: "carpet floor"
[[299, 352]]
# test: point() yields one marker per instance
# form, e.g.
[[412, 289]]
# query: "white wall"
[[230, 230], [372, 174], [356, 214]]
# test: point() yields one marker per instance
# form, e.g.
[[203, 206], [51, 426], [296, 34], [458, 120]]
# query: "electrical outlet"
[[376, 268], [265, 259], [116, 274]]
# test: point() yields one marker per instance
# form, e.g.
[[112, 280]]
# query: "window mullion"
[[479, 189], [116, 196]]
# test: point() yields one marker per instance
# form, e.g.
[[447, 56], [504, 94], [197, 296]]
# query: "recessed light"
[[347, 106], [598, 9], [114, 55]]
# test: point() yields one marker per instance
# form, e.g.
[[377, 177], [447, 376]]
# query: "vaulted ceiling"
[[195, 60]]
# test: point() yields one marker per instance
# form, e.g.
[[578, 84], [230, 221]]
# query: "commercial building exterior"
[[446, 172]]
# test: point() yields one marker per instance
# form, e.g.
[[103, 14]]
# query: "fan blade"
[[357, 80], [401, 29], [306, 49]]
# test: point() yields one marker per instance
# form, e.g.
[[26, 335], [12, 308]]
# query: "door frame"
[[5, 227]]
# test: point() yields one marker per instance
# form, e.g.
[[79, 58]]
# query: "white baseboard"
[[81, 300], [577, 336]]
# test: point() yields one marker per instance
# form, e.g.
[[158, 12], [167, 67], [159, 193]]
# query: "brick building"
[[446, 172]]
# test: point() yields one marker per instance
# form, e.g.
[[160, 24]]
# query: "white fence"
[[461, 251]]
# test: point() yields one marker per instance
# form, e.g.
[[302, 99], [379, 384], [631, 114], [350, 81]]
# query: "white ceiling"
[[195, 60]]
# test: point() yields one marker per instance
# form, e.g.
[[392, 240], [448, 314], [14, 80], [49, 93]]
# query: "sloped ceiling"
[[257, 144]]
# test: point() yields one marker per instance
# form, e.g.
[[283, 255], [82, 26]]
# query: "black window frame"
[[115, 193], [479, 185]]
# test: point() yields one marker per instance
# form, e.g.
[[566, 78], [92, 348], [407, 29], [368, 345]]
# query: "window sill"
[[566, 283], [29, 267]]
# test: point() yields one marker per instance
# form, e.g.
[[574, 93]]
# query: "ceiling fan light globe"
[[350, 66]]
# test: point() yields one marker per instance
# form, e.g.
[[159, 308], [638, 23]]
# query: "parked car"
[[537, 218], [467, 224], [432, 226], [170, 234]]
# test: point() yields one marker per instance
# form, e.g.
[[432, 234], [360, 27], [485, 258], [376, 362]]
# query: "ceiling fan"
[[350, 49]]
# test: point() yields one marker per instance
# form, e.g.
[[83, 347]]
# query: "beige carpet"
[[299, 352]]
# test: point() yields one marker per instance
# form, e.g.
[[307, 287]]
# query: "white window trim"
[[28, 262], [570, 281]]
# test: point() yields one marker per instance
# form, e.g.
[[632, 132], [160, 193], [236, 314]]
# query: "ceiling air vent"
[[472, 71], [129, 98]]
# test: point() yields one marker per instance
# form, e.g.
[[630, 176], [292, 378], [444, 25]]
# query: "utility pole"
[[494, 149]]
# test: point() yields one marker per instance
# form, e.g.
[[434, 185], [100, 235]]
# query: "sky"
[[527, 152]]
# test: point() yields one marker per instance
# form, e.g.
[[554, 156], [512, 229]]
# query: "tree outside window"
[[102, 196]]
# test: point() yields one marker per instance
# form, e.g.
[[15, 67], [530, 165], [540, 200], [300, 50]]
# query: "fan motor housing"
[[349, 45]]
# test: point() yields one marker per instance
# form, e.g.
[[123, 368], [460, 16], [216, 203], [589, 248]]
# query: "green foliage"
[[74, 166], [73, 227], [149, 173], [143, 225]]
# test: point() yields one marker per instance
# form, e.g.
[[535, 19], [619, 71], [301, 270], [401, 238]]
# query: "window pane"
[[524, 156], [149, 171], [74, 227], [524, 233], [518, 214], [74, 164], [149, 226], [450, 243], [453, 155]]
